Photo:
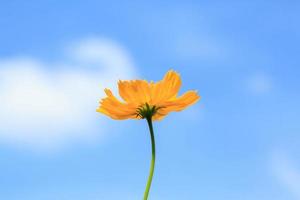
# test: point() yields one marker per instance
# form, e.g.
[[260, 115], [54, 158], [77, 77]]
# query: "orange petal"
[[136, 91], [159, 115], [167, 88], [115, 109], [180, 103]]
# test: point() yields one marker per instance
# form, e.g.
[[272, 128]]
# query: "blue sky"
[[241, 141]]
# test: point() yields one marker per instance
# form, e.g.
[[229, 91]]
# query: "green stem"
[[149, 120]]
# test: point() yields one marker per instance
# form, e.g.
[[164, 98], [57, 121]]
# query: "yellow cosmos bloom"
[[150, 101], [143, 99]]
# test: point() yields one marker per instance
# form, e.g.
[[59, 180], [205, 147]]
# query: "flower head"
[[147, 100]]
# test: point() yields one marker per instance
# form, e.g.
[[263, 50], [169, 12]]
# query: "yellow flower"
[[143, 99], [152, 101]]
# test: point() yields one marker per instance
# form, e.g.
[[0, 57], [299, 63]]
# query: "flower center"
[[146, 111]]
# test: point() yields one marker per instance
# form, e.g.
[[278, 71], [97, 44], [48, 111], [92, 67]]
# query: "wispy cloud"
[[259, 83], [44, 105], [199, 47], [287, 172]]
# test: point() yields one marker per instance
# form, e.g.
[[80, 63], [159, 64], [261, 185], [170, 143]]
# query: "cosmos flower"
[[150, 101], [142, 98]]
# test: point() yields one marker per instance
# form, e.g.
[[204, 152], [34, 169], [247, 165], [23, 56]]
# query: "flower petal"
[[136, 91], [180, 103], [115, 109], [167, 88]]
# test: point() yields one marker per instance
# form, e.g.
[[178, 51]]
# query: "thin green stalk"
[[149, 120]]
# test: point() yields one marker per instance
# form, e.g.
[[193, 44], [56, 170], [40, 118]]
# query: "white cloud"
[[196, 47], [287, 173], [45, 105], [259, 84]]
